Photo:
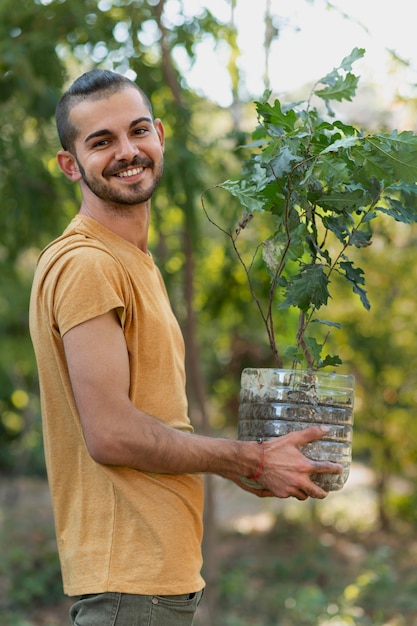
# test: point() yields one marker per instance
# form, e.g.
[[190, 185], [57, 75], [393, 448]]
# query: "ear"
[[160, 131], [68, 164]]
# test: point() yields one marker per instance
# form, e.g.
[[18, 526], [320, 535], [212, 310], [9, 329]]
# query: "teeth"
[[132, 172]]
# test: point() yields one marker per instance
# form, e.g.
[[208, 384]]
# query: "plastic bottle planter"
[[274, 402]]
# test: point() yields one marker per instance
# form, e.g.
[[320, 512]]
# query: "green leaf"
[[299, 237], [400, 212], [360, 238], [283, 162], [331, 169], [338, 226], [247, 196], [340, 201], [309, 288], [315, 348], [355, 276], [369, 216], [343, 88], [275, 118], [294, 354], [326, 323], [346, 142], [391, 157], [355, 55], [330, 361]]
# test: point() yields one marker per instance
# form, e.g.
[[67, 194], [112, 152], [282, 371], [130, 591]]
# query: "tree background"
[[44, 45]]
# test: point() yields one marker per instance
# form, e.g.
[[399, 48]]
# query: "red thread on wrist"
[[261, 464]]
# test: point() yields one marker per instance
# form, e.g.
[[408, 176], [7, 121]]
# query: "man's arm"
[[117, 433]]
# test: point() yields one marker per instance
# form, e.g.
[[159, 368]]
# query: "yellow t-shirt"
[[118, 529]]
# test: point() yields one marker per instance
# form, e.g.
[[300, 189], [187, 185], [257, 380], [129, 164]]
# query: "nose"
[[126, 149]]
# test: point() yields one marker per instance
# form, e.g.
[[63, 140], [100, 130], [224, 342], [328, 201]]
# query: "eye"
[[101, 143]]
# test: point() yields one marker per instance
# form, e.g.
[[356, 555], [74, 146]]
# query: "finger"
[[312, 433], [327, 467], [314, 492], [301, 495], [264, 493]]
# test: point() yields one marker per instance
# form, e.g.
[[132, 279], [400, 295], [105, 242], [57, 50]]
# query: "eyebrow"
[[105, 131]]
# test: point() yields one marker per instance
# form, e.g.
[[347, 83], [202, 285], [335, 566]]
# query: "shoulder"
[[76, 253]]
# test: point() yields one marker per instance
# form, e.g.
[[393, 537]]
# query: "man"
[[123, 464]]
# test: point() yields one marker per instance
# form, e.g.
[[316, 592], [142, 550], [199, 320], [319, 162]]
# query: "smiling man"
[[124, 465]]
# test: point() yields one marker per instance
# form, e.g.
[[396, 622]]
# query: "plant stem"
[[268, 317]]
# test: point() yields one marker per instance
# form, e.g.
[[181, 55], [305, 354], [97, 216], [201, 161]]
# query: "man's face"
[[119, 148]]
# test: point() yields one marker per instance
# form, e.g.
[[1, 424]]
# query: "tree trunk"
[[195, 383], [196, 392]]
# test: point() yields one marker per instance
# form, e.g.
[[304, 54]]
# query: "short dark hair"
[[92, 85]]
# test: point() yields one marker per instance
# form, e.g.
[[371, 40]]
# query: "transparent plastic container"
[[274, 402]]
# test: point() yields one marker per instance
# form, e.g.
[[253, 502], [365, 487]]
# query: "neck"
[[129, 222]]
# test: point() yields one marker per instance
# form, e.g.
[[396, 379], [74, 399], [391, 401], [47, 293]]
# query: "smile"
[[132, 172]]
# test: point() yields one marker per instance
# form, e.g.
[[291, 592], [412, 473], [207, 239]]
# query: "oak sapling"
[[322, 183]]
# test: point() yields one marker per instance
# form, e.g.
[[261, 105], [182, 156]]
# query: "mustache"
[[137, 161]]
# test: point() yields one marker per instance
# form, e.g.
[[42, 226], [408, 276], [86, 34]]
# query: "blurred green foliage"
[[37, 202], [298, 577], [202, 276], [44, 44]]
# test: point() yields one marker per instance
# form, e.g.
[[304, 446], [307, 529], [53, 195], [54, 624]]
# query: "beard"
[[136, 193]]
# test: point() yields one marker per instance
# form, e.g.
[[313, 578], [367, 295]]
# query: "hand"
[[287, 472]]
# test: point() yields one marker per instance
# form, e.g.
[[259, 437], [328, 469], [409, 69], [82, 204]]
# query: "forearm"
[[137, 440], [144, 443]]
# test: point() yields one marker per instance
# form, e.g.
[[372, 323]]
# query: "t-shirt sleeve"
[[88, 282]]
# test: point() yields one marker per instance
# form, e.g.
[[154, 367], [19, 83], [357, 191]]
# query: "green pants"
[[123, 609]]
